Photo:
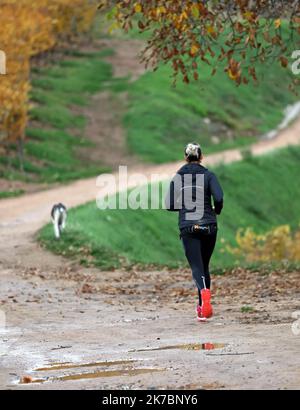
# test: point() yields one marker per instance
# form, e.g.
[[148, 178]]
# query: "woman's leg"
[[193, 253], [208, 243]]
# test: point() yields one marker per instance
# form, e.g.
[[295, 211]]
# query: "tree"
[[233, 35], [27, 28]]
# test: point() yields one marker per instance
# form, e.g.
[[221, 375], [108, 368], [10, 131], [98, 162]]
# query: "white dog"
[[59, 219]]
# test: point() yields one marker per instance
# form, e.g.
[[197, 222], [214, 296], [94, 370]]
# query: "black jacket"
[[190, 194]]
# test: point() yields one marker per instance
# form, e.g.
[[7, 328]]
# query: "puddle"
[[128, 371], [108, 373], [64, 366], [190, 346], [95, 375], [54, 364], [115, 373]]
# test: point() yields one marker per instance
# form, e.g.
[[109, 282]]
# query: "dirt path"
[[104, 114], [57, 312]]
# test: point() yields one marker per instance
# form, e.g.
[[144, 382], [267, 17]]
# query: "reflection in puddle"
[[101, 374], [57, 363], [63, 366], [127, 370], [108, 373], [189, 346]]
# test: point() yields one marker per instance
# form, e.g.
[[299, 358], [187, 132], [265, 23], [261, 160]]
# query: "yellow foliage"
[[138, 8], [277, 23], [160, 11], [195, 10], [27, 28], [276, 245], [194, 49], [210, 30]]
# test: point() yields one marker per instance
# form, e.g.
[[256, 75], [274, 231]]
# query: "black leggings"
[[198, 249]]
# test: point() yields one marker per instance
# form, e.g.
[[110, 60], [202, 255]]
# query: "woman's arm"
[[217, 193], [173, 195]]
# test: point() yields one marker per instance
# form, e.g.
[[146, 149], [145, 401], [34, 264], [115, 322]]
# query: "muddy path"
[[57, 312], [69, 327]]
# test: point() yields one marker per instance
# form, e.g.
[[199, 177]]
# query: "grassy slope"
[[258, 192], [57, 131], [161, 119]]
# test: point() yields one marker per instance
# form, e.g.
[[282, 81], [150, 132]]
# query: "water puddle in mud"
[[109, 373], [65, 366], [189, 346], [95, 375], [52, 364], [129, 370]]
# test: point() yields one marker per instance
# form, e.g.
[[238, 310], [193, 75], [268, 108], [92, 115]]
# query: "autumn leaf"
[[284, 61], [210, 30], [248, 15], [195, 11], [277, 23], [194, 49], [233, 70], [186, 79], [233, 75], [161, 10], [138, 8]]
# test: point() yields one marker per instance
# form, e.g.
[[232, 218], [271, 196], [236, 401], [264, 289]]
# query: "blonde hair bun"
[[193, 150]]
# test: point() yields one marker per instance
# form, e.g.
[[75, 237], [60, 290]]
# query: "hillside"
[[161, 119]]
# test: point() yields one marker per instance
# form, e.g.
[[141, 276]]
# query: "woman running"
[[190, 194]]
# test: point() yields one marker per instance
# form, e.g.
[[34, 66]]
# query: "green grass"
[[161, 119], [11, 194], [260, 192], [247, 309], [51, 148]]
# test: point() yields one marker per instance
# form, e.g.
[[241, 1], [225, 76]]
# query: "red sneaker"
[[206, 308], [200, 317]]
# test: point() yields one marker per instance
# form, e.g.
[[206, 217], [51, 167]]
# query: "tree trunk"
[[6, 146], [21, 154]]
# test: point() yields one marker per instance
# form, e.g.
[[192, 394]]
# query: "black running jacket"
[[191, 192]]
